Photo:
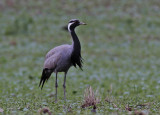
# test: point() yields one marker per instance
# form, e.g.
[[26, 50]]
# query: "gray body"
[[59, 58]]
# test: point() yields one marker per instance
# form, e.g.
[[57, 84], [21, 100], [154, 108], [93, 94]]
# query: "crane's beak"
[[81, 23]]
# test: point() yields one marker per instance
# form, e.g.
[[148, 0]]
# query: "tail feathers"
[[45, 76]]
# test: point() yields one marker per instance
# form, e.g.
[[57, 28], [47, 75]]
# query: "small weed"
[[90, 98]]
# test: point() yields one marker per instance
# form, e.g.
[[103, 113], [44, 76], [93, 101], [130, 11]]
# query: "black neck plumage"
[[76, 53]]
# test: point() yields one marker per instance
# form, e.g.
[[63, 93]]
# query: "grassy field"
[[120, 47]]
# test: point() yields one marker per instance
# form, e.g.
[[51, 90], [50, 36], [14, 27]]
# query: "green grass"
[[120, 47]]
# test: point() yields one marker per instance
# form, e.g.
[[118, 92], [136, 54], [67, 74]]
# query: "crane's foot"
[[64, 98], [56, 93], [56, 86], [64, 89], [55, 101]]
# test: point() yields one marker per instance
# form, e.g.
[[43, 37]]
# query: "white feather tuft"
[[69, 26]]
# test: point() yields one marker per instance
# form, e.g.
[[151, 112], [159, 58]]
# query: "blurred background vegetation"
[[120, 46]]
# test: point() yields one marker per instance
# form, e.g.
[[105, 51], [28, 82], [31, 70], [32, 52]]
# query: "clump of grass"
[[90, 98], [110, 101], [44, 111]]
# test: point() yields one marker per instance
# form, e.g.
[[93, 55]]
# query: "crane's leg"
[[64, 85], [56, 85]]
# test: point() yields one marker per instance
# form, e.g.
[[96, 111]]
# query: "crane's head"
[[74, 23]]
